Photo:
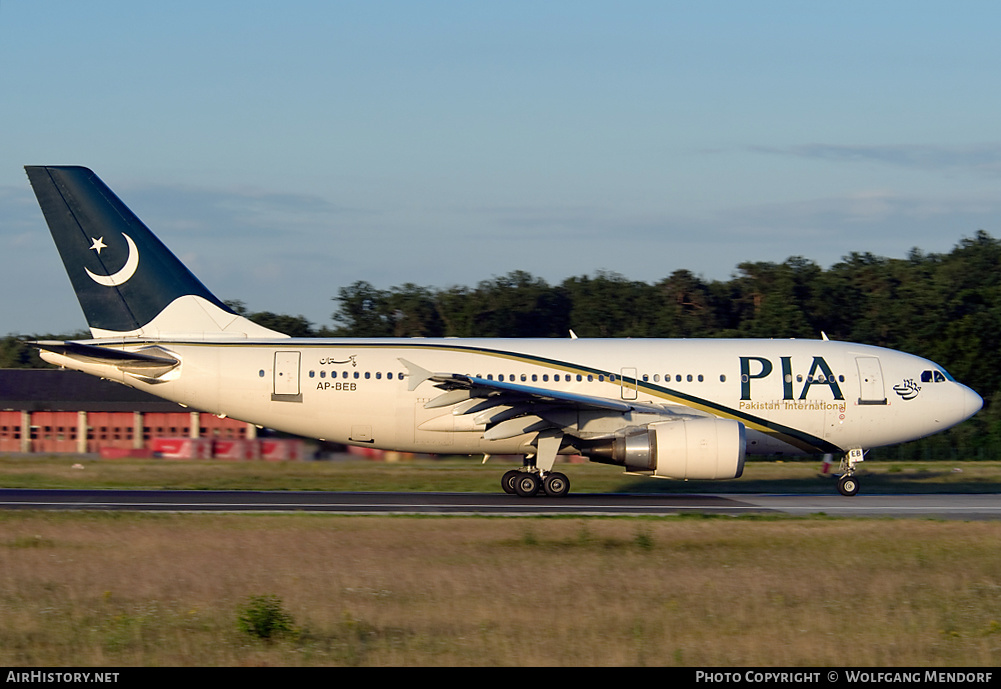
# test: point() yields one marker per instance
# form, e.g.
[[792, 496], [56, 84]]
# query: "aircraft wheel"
[[508, 479], [848, 485], [556, 485], [526, 485]]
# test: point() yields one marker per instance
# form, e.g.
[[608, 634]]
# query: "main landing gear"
[[537, 475], [529, 482], [848, 485]]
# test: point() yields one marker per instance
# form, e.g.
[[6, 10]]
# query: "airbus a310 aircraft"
[[680, 409]]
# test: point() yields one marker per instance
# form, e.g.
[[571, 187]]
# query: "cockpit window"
[[935, 376]]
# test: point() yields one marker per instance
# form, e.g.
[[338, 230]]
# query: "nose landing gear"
[[848, 485]]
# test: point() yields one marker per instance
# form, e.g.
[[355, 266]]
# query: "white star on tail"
[[123, 275]]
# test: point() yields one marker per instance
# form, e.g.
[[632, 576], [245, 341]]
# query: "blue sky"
[[284, 150]]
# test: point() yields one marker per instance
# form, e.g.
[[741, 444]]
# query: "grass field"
[[126, 589]]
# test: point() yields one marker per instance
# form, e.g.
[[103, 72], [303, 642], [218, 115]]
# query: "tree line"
[[946, 307]]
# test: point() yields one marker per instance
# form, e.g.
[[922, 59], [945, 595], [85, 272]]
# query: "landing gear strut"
[[848, 485]]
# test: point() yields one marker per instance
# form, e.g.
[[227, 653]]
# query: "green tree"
[[609, 305], [364, 311]]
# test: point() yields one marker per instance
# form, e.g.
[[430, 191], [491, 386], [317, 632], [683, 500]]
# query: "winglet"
[[415, 374]]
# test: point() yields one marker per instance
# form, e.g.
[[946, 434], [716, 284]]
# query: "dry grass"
[[158, 589]]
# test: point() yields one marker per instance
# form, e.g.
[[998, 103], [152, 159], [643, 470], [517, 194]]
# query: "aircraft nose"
[[972, 402]]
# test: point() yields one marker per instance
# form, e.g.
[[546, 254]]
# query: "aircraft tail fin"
[[128, 283]]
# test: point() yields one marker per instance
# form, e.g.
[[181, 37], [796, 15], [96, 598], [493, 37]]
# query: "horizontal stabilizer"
[[151, 362]]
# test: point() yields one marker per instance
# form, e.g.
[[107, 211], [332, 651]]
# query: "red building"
[[51, 410]]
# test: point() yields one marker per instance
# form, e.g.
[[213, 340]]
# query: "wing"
[[559, 418]]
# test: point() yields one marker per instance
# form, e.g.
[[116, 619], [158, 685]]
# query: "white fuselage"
[[793, 396]]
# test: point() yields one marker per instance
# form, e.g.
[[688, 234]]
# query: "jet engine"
[[692, 448]]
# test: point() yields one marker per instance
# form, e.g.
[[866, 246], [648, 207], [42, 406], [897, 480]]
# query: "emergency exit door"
[[628, 383]]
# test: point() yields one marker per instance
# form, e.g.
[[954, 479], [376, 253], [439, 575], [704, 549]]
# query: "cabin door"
[[286, 384], [870, 378]]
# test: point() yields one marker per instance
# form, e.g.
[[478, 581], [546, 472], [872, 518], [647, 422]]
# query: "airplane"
[[666, 408]]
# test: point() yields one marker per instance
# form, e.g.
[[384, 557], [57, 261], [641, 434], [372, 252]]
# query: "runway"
[[940, 506]]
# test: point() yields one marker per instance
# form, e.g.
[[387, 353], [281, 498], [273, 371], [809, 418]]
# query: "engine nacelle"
[[698, 448]]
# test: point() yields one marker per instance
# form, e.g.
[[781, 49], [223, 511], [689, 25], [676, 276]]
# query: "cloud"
[[980, 159]]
